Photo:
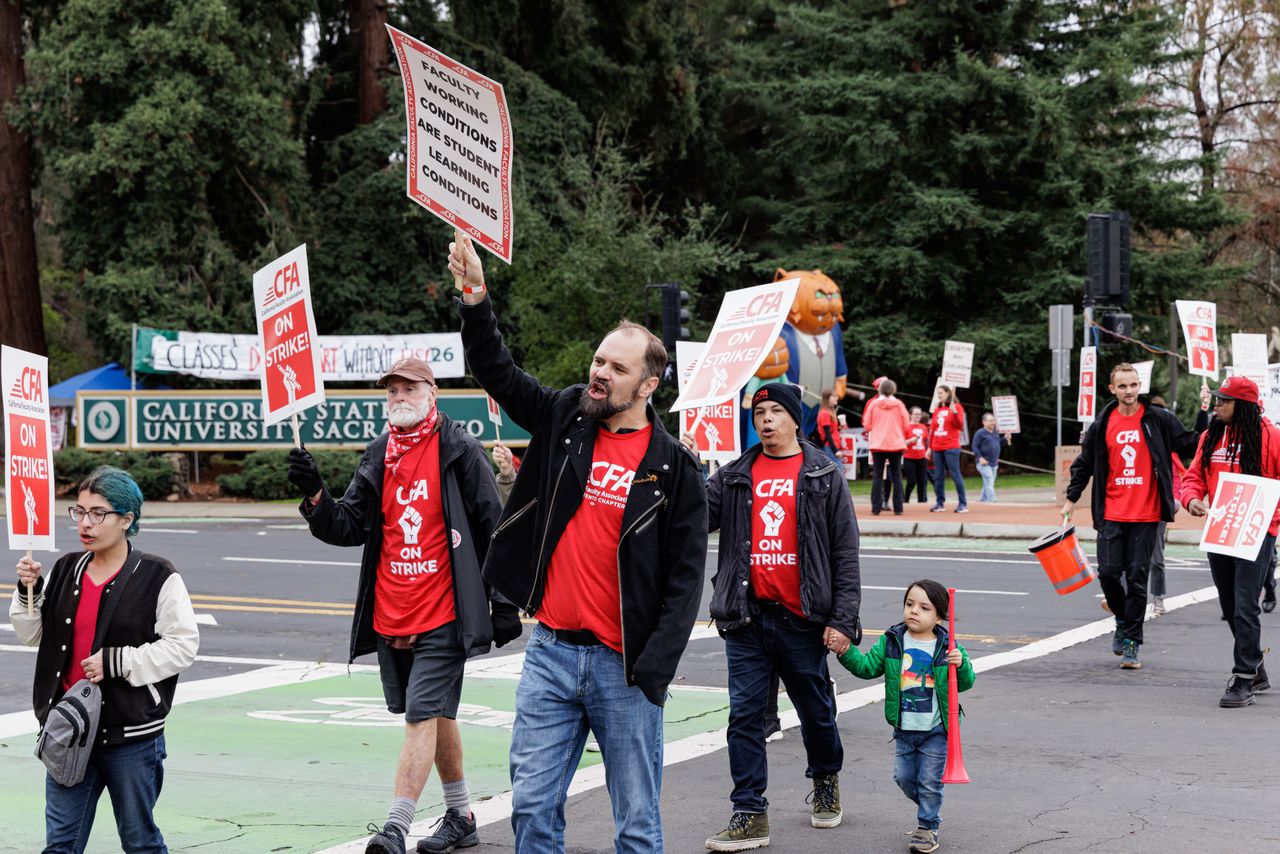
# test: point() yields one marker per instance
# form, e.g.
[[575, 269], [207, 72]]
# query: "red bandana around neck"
[[401, 440]]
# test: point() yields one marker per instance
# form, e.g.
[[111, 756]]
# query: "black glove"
[[303, 472], [506, 624]]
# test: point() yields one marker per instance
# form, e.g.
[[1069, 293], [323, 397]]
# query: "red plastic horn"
[[954, 771]]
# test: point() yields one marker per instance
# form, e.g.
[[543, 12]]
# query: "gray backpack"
[[66, 741], [67, 738]]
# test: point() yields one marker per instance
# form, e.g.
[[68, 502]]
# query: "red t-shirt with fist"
[[775, 563], [413, 592]]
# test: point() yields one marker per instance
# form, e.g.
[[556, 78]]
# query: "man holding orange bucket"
[[1126, 452]]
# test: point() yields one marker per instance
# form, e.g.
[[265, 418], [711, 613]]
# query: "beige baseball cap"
[[410, 369]]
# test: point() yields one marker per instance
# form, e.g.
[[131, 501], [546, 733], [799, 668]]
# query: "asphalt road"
[[1067, 752]]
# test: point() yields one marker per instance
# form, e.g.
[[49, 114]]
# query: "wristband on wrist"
[[474, 291]]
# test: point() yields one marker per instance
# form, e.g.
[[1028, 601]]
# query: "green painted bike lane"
[[301, 767]]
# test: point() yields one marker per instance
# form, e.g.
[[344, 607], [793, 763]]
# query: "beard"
[[603, 410], [406, 415]]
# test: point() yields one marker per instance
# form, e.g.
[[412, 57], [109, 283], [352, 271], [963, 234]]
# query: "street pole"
[[1173, 357], [1059, 385], [133, 357]]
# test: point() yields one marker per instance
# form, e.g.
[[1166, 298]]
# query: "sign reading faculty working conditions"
[[28, 471], [957, 364], [1087, 401], [1200, 329], [459, 164], [714, 427], [743, 336], [290, 358], [1240, 515]]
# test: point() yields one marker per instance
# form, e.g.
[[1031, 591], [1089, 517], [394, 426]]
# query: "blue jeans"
[[918, 761], [132, 774], [945, 462], [988, 474], [564, 692], [777, 640]]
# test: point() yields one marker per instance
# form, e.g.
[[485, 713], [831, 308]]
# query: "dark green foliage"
[[263, 476], [153, 473]]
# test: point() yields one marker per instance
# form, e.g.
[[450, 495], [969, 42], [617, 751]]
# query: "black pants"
[[1124, 559], [1239, 582], [916, 474], [1269, 580], [879, 460]]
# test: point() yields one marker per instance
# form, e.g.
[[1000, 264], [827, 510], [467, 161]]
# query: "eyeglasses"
[[96, 514], [1221, 401]]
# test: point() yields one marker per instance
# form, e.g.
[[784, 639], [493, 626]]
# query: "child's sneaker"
[[923, 841], [1130, 660]]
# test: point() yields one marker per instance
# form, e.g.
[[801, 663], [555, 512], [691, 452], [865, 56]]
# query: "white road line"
[[958, 590], [6, 627], [151, 530], [498, 808], [295, 562]]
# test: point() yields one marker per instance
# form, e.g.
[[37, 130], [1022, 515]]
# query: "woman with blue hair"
[[121, 618]]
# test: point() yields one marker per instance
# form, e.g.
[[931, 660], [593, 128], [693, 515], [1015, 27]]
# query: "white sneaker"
[[1157, 605]]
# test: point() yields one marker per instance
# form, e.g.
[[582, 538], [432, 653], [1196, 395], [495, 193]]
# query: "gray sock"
[[456, 797], [401, 814]]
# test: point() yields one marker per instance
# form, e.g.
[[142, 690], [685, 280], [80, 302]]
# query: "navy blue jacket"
[[987, 445]]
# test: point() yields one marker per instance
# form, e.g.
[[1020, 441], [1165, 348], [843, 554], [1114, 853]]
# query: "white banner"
[[1144, 376], [459, 130], [1005, 408], [1200, 329], [1087, 400], [343, 358], [957, 364]]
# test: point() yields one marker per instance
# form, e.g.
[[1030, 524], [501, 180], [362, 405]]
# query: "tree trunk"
[[21, 312], [368, 20]]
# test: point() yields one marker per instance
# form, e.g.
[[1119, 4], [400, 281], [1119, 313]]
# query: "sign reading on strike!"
[[290, 358], [459, 164], [1200, 329], [957, 364], [1240, 515], [714, 427], [1005, 408], [1086, 403], [746, 329], [28, 471]]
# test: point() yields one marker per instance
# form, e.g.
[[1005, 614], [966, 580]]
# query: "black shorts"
[[424, 682]]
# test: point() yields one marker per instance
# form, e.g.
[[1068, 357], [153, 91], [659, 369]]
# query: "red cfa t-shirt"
[[582, 576], [775, 565], [947, 423], [1131, 484], [917, 442], [414, 592], [85, 627]]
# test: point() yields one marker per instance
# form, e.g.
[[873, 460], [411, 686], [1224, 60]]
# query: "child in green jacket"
[[912, 657]]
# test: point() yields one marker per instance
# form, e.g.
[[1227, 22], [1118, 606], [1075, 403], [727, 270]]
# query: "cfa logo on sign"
[[103, 421], [287, 280], [28, 386], [759, 304]]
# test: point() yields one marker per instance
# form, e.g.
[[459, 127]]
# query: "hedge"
[[264, 476], [154, 474]]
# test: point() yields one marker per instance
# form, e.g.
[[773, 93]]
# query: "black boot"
[[1260, 681], [1238, 694]]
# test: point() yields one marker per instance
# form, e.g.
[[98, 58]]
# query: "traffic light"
[[1118, 323], [1108, 251], [675, 317]]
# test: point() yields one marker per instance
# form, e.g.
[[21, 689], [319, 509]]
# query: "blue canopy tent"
[[109, 377]]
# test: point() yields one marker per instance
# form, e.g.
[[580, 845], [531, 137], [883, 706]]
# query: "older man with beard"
[[424, 504], [604, 540]]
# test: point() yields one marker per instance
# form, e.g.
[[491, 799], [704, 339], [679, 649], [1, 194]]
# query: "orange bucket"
[[1063, 560]]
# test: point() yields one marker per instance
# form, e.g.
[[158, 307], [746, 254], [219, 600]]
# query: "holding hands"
[[836, 641]]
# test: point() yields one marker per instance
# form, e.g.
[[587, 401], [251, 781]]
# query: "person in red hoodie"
[[1239, 440], [915, 460], [885, 419], [946, 424]]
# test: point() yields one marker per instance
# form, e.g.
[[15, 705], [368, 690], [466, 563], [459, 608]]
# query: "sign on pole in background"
[[714, 427], [743, 336], [1144, 376], [1248, 350], [1270, 398], [1241, 513], [28, 471], [459, 164], [1087, 401], [495, 411], [290, 368], [957, 364], [1200, 329], [1005, 408]]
